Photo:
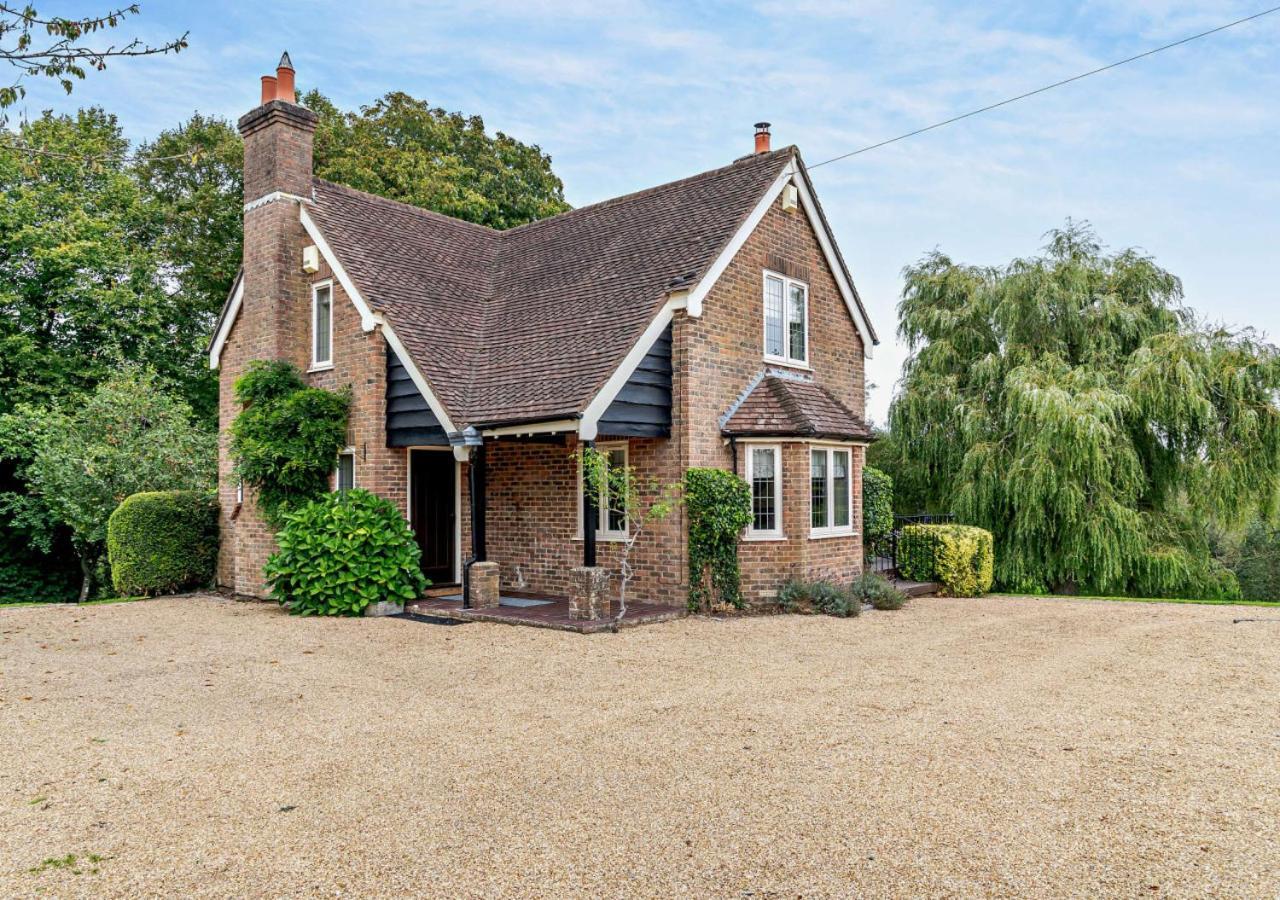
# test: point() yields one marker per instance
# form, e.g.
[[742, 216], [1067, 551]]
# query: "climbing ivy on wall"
[[719, 504], [286, 441]]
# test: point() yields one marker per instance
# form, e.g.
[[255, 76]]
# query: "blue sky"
[[1175, 155]]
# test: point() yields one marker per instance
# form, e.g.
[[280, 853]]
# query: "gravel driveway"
[[201, 747]]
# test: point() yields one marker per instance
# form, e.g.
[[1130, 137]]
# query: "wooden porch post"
[[589, 517]]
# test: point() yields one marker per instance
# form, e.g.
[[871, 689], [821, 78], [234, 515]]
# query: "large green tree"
[[81, 282], [82, 459], [1071, 404], [405, 149]]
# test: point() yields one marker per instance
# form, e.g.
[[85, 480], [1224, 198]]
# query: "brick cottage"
[[706, 322]]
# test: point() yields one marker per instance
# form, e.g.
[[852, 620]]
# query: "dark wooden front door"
[[432, 474]]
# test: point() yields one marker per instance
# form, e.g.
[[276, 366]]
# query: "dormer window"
[[786, 320], [322, 325]]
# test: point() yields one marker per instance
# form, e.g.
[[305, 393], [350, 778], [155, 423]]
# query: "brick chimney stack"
[[762, 137], [277, 139]]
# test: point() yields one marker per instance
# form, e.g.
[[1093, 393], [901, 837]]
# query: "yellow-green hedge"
[[959, 557]]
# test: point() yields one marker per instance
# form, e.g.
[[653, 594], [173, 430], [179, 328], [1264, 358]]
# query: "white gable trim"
[[224, 326], [424, 388], [367, 319], [708, 280], [588, 425], [826, 241]]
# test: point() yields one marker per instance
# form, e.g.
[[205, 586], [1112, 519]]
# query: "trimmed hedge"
[[343, 552], [877, 503], [159, 542], [959, 557]]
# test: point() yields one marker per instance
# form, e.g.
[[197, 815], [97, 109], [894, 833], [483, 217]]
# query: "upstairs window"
[[322, 325], [786, 320], [764, 474], [830, 491]]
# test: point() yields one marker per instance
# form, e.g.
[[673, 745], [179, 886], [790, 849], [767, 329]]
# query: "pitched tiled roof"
[[529, 323], [777, 406]]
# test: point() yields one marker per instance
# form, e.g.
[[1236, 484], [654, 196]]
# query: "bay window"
[[764, 474], [830, 491]]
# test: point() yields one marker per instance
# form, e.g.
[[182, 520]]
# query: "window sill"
[[787, 363], [603, 539], [763, 537], [320, 367], [832, 533]]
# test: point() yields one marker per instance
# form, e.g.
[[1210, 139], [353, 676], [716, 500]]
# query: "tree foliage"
[[1257, 562], [129, 436], [1070, 404], [286, 439], [54, 47], [405, 149]]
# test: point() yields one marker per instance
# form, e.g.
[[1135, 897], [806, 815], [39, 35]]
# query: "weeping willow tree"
[[1071, 404]]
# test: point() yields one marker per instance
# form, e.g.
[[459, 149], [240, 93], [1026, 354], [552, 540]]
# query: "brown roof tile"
[[529, 323], [778, 406]]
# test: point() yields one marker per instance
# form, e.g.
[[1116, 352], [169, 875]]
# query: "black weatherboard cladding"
[[410, 421], [643, 406]]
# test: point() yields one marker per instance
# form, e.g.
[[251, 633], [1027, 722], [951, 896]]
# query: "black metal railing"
[[881, 552]]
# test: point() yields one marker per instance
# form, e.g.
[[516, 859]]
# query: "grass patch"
[[70, 862], [1270, 603], [105, 602]]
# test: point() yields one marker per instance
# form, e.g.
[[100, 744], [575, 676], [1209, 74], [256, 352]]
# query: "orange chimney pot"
[[762, 137], [268, 88]]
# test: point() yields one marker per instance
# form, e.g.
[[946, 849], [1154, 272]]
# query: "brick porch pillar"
[[589, 596], [484, 585]]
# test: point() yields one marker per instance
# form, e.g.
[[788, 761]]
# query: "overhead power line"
[[1047, 87]]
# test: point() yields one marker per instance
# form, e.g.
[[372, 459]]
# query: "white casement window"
[[830, 491], [322, 325], [764, 474], [611, 513], [786, 320], [239, 490], [344, 477]]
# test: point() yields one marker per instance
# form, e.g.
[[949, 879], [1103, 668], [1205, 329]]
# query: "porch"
[[540, 611]]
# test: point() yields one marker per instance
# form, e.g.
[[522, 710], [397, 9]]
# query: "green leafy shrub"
[[833, 600], [162, 541], [21, 581], [824, 597], [719, 504], [877, 590], [793, 595], [877, 503], [959, 557], [286, 440], [343, 552]]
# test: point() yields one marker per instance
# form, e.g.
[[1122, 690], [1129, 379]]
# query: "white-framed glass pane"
[[764, 489], [615, 500], [796, 314], [818, 488], [323, 325], [346, 471], [773, 316], [840, 488]]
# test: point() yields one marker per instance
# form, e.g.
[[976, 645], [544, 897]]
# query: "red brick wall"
[[266, 330], [717, 356]]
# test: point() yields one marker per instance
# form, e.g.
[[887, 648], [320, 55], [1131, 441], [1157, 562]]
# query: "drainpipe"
[[589, 518], [476, 488], [733, 449]]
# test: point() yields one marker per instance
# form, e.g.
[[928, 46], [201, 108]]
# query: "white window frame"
[[239, 492], [785, 359], [752, 533], [337, 470], [319, 365], [602, 518], [830, 530]]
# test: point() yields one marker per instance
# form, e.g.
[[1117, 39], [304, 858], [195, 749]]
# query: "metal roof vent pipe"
[[762, 137]]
